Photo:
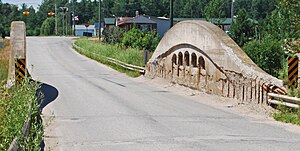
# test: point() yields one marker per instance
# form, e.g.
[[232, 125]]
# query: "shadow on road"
[[46, 94], [49, 94]]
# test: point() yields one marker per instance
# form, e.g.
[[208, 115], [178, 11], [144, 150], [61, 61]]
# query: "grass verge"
[[129, 56], [4, 60], [287, 115], [16, 106]]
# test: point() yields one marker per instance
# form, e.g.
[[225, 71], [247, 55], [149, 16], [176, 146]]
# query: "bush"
[[113, 36], [139, 39], [267, 54]]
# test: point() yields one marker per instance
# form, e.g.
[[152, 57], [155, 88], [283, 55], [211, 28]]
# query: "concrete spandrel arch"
[[174, 59], [215, 44], [186, 58], [194, 60], [180, 59]]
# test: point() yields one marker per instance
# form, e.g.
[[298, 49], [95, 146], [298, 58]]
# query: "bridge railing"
[[285, 100]]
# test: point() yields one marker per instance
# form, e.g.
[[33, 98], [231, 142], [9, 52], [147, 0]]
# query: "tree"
[[215, 9], [48, 27], [243, 29], [267, 54]]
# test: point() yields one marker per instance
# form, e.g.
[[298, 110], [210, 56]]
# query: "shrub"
[[139, 39], [113, 36], [267, 54]]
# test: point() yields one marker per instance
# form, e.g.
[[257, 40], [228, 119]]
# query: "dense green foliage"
[[113, 36], [48, 27], [267, 54], [139, 39], [215, 9], [16, 105], [266, 39], [244, 29]]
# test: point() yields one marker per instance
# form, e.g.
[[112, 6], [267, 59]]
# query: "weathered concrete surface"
[[199, 54], [18, 47]]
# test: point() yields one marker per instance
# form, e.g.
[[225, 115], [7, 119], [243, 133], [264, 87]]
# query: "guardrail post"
[[17, 62], [145, 56]]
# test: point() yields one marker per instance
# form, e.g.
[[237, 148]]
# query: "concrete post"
[[18, 51]]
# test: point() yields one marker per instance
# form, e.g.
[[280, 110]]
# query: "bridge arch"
[[209, 60]]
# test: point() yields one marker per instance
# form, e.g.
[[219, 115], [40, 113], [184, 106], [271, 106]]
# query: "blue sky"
[[34, 3]]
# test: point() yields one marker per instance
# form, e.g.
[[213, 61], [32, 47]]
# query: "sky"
[[34, 3]]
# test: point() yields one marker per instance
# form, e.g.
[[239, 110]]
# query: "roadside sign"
[[87, 24], [293, 71], [76, 18]]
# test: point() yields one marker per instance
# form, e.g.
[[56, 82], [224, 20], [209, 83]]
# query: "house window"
[[180, 59], [187, 58], [144, 27], [194, 60]]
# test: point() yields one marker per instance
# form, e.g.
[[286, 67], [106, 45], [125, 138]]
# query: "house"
[[159, 24], [140, 21], [81, 29], [162, 25]]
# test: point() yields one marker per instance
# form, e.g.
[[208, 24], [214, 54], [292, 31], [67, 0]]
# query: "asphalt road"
[[96, 108]]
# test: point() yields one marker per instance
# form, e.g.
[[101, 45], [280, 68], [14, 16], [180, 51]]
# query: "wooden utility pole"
[[171, 13]]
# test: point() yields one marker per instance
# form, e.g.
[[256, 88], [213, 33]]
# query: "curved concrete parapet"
[[199, 54]]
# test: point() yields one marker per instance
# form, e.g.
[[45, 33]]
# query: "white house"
[[81, 29]]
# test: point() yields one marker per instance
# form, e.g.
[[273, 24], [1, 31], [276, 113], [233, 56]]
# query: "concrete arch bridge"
[[200, 55]]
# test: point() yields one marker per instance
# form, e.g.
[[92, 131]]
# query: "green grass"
[[287, 115], [15, 105], [4, 60], [3, 70], [129, 56]]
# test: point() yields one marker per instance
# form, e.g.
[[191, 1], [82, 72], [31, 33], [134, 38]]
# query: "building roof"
[[122, 20], [141, 20], [135, 20]]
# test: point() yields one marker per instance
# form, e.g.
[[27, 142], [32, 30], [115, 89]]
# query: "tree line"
[[87, 10]]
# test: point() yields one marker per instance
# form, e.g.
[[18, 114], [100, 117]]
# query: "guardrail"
[[285, 100], [115, 61]]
